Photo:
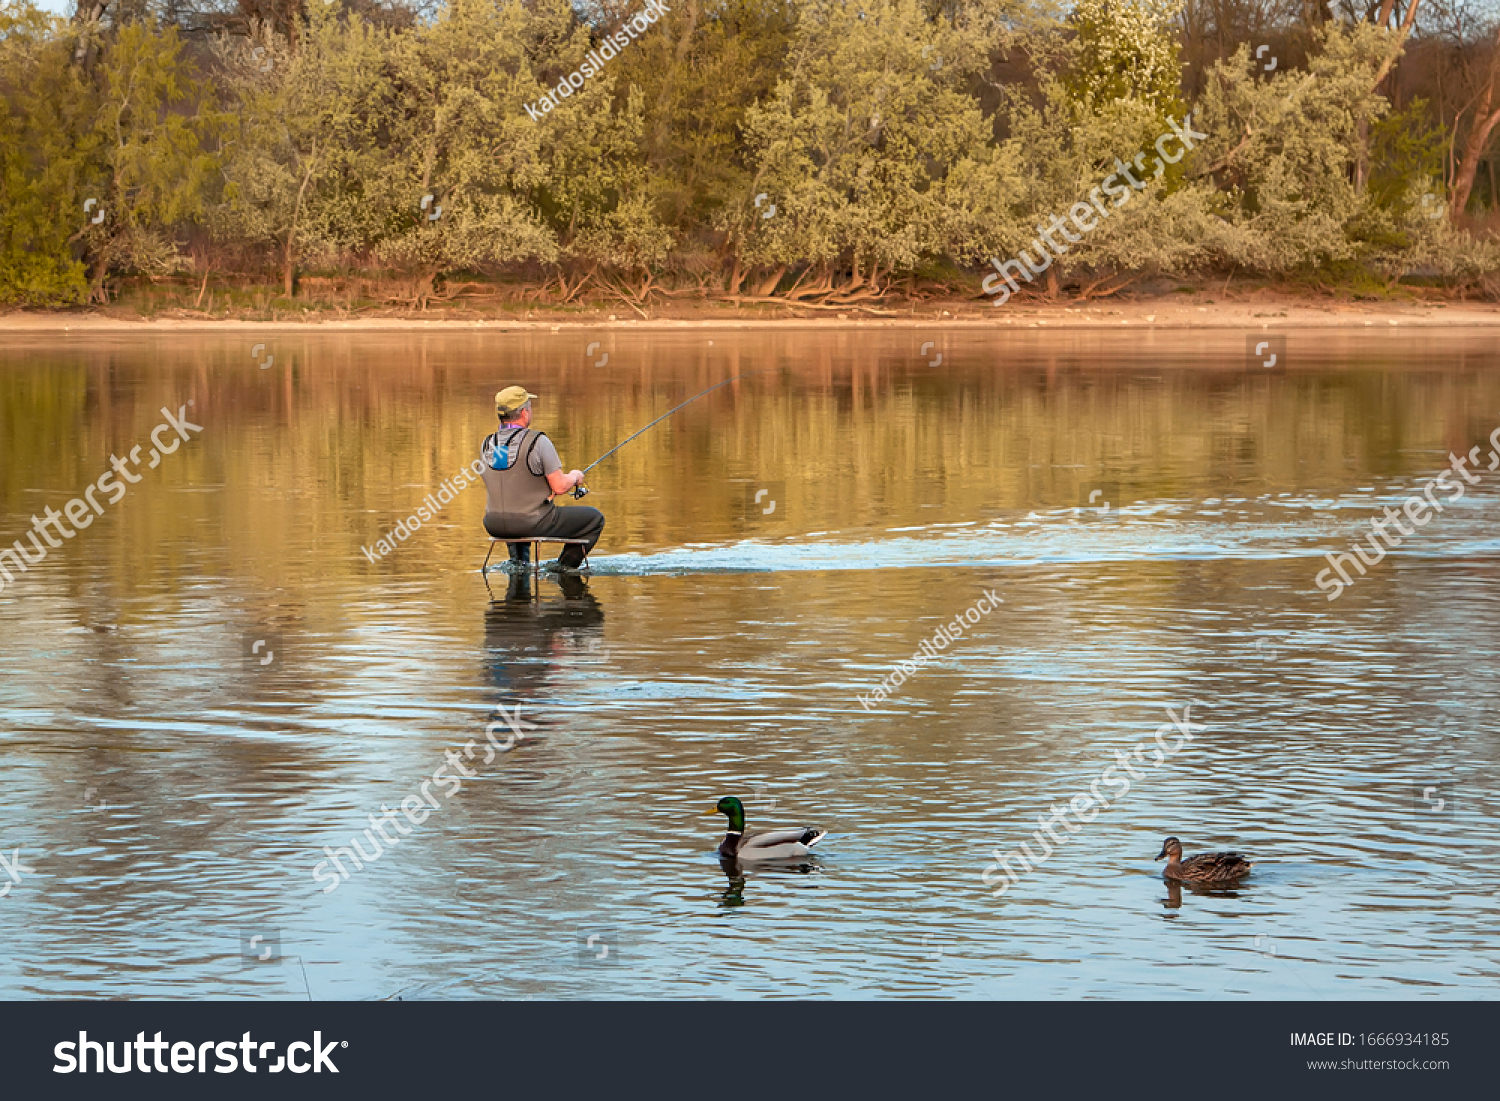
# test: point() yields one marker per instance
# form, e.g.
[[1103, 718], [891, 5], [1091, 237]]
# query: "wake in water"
[[1277, 527]]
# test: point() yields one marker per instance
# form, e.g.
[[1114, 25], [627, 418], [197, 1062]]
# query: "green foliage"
[[302, 162], [891, 137], [460, 134], [43, 113], [1127, 50], [705, 67], [1284, 150], [593, 190], [152, 123], [1406, 149], [1064, 156], [855, 146], [100, 166]]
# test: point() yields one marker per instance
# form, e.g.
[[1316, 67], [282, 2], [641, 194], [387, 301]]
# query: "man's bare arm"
[[560, 483]]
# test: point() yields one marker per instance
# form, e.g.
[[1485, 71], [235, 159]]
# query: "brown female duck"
[[1203, 868]]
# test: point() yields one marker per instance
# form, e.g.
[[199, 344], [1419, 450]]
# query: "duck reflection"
[[738, 873], [1173, 901], [734, 894]]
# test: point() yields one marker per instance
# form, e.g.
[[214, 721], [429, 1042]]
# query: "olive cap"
[[511, 399]]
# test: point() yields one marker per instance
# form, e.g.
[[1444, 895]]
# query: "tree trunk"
[[97, 293], [768, 287], [1486, 117], [1401, 36], [87, 17], [426, 284], [1361, 152]]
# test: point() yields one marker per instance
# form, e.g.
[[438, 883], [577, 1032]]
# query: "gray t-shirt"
[[544, 459]]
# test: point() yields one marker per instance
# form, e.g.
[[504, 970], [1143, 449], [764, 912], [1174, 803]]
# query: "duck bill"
[[1161, 854]]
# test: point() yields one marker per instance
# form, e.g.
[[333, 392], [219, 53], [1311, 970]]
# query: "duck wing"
[[1216, 866], [780, 844]]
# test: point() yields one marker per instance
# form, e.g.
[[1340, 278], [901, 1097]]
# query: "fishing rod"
[[581, 490]]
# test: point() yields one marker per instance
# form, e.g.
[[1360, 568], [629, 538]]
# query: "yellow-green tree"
[[302, 161], [853, 148], [47, 148], [153, 117]]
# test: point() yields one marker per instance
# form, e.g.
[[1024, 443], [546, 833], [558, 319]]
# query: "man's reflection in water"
[[526, 639]]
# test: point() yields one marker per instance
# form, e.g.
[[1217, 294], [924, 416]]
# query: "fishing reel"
[[580, 491]]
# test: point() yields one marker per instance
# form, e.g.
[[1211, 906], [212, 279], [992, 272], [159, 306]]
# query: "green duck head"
[[735, 810]]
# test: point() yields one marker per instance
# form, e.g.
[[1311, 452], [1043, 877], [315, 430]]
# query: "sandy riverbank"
[[1176, 311]]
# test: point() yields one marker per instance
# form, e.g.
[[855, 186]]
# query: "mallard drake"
[[787, 844], [1203, 868]]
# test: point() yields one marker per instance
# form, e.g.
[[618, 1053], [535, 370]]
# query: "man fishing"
[[522, 474]]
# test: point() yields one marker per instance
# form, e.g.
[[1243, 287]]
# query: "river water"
[[213, 684]]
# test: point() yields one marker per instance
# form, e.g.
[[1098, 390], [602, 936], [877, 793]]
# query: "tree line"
[[830, 153]]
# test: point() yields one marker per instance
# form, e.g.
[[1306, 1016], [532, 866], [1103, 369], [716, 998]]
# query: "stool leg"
[[485, 568]]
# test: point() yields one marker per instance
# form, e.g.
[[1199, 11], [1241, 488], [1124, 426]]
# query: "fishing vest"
[[511, 489]]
